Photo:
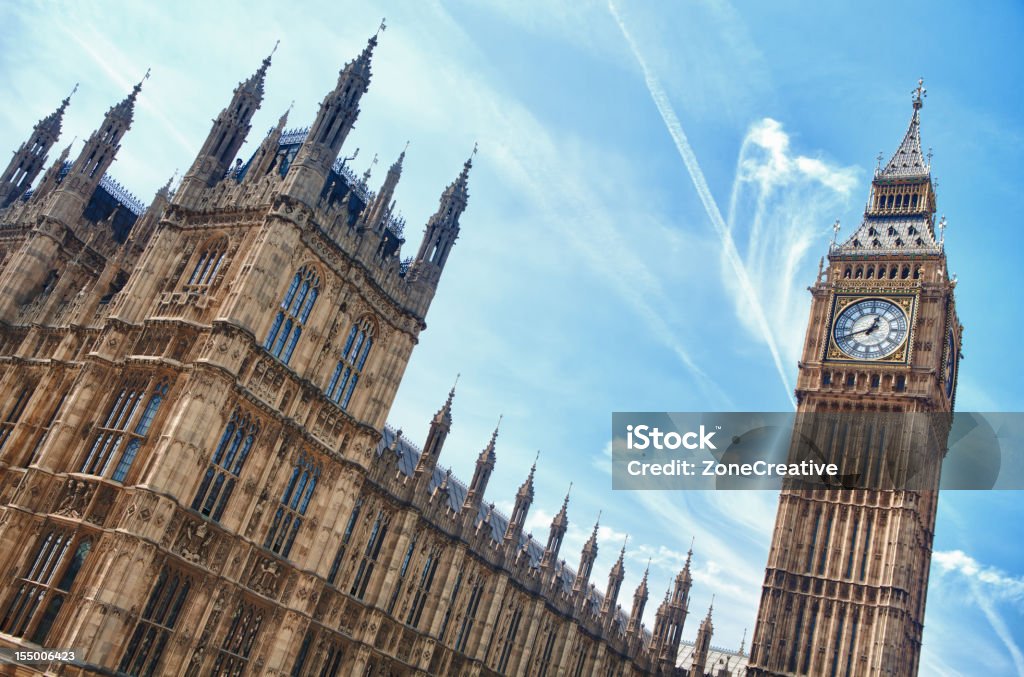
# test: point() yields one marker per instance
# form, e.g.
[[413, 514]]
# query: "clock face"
[[871, 329], [950, 366]]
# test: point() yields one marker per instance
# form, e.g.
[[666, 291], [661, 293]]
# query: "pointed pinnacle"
[[451, 393]]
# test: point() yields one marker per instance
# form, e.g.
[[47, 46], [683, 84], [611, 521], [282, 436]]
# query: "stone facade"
[[195, 473]]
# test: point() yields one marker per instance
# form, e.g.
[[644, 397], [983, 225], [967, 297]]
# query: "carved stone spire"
[[440, 426], [524, 499], [228, 133], [482, 474], [307, 175], [28, 160]]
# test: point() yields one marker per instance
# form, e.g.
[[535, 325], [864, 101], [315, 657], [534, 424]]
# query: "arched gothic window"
[[350, 365], [156, 625], [226, 466], [243, 629], [294, 502], [124, 430], [42, 589], [293, 313], [370, 554], [208, 263]]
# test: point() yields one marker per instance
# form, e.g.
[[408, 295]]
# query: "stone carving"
[[194, 543], [265, 577], [75, 499]]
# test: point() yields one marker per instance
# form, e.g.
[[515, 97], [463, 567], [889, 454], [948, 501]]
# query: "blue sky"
[[592, 275]]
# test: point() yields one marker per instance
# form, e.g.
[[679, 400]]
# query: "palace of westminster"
[[197, 478]]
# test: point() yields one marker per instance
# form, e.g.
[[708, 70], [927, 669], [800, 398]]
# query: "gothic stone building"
[[195, 473]]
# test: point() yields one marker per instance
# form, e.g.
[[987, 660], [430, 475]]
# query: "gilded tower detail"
[[196, 477], [847, 573]]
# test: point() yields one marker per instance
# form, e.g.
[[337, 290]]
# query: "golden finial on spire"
[[383, 27]]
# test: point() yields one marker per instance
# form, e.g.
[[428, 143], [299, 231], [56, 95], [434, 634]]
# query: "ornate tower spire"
[[615, 576], [559, 525], [265, 158], [484, 467], [702, 645], [908, 160], [587, 559], [226, 136], [335, 119], [899, 217], [28, 160], [443, 227], [383, 204], [440, 426], [524, 499], [52, 177], [639, 602], [94, 160]]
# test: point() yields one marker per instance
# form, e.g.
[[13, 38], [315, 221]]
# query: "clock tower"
[[847, 574]]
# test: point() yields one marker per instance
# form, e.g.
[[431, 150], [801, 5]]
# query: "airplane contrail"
[[675, 130]]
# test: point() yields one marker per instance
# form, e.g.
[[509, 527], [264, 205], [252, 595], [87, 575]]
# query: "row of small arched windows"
[[898, 201], [882, 272]]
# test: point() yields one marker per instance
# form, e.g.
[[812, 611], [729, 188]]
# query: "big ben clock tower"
[[847, 574]]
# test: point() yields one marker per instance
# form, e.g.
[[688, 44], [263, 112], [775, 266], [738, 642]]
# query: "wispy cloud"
[[729, 251], [987, 584], [779, 203]]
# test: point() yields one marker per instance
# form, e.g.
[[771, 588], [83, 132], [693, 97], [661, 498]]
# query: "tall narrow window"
[[156, 625], [402, 571], [233, 655], [332, 575], [226, 466], [467, 622], [549, 646], [350, 365], [423, 585], [15, 412], [370, 554], [44, 586], [294, 502], [326, 662], [451, 607], [510, 639], [293, 313], [208, 264], [118, 436]]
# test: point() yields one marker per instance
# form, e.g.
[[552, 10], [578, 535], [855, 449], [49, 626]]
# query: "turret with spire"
[[482, 474], [443, 228], [587, 558], [559, 525], [28, 160], [308, 173], [226, 137], [265, 159], [52, 177], [899, 217], [524, 499], [383, 204], [615, 577], [639, 602], [702, 645], [440, 426], [98, 153]]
